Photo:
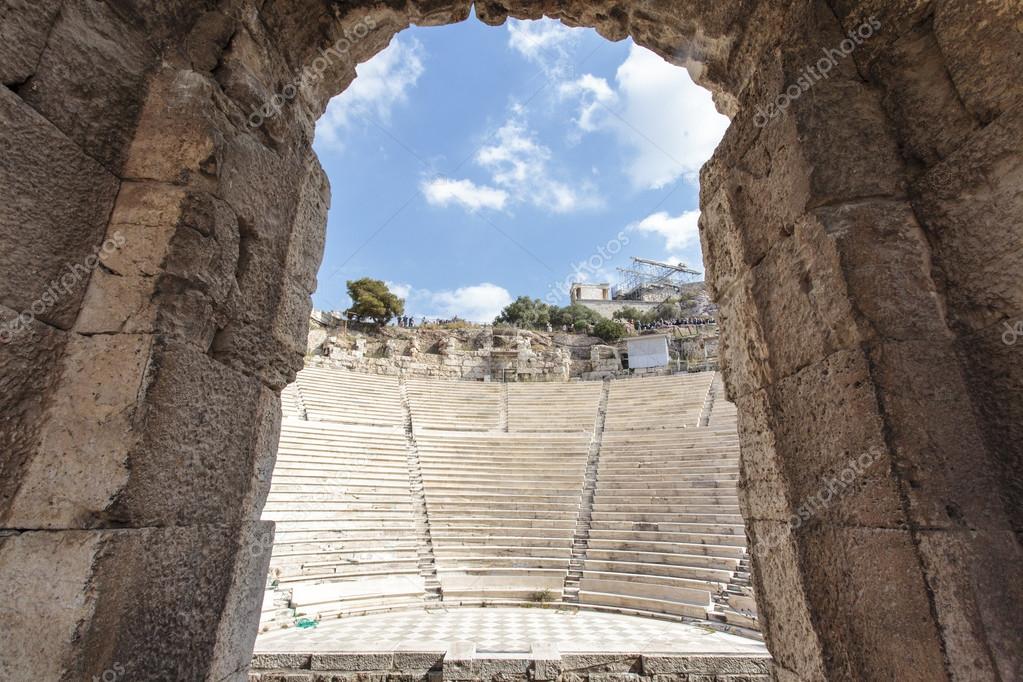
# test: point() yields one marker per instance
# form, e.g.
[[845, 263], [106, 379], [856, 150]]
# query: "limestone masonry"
[[498, 354], [861, 222]]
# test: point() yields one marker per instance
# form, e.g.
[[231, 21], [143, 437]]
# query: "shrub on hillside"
[[610, 331], [525, 312], [571, 315], [629, 313]]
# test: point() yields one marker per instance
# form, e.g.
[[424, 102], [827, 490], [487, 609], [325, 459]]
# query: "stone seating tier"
[[456, 406], [501, 478], [553, 407], [657, 402], [349, 397]]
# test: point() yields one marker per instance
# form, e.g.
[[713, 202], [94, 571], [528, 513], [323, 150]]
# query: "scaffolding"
[[650, 280]]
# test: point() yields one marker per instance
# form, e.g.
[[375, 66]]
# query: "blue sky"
[[470, 165]]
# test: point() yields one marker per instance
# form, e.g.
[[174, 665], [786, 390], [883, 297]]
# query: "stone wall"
[[609, 308], [473, 354], [486, 354], [862, 233], [544, 663]]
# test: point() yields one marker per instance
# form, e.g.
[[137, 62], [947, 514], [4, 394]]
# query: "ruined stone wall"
[[542, 663], [489, 354], [163, 218], [472, 354]]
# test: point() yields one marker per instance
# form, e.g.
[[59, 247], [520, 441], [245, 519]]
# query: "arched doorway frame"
[[831, 236]]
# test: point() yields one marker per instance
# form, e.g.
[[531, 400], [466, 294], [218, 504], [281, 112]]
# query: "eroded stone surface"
[[54, 204], [825, 277]]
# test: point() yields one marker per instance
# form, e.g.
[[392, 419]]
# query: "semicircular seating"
[[387, 489]]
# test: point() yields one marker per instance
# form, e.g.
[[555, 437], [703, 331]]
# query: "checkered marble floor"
[[505, 630]]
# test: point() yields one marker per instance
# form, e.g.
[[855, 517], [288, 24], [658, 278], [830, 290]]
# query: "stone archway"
[[863, 238]]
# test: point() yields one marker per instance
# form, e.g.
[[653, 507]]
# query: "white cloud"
[[520, 165], [444, 191], [544, 42], [594, 94], [678, 126], [666, 122], [477, 303], [398, 289], [678, 232], [520, 173], [381, 83]]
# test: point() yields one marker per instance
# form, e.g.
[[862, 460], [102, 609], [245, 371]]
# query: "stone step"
[[643, 604]]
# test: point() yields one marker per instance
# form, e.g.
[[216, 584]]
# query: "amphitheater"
[[862, 239], [404, 495]]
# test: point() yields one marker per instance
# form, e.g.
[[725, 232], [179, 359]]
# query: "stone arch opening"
[[877, 215]]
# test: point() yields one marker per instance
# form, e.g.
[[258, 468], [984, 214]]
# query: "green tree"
[[610, 331], [629, 313], [371, 299], [526, 312], [573, 314]]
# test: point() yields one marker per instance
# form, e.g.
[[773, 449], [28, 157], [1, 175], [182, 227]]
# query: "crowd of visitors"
[[410, 322], [665, 324]]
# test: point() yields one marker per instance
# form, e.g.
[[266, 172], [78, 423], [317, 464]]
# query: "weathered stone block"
[[751, 194], [801, 302], [174, 425], [211, 436], [308, 234], [458, 660], [600, 663], [830, 429], [280, 660], [29, 372], [783, 606], [54, 205], [920, 97], [880, 605], [994, 370], [349, 661], [40, 624], [709, 664], [24, 27], [882, 249], [742, 352], [161, 580], [981, 41], [81, 464], [91, 79], [174, 273], [942, 463], [408, 658], [761, 487], [970, 206], [180, 136], [977, 582]]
